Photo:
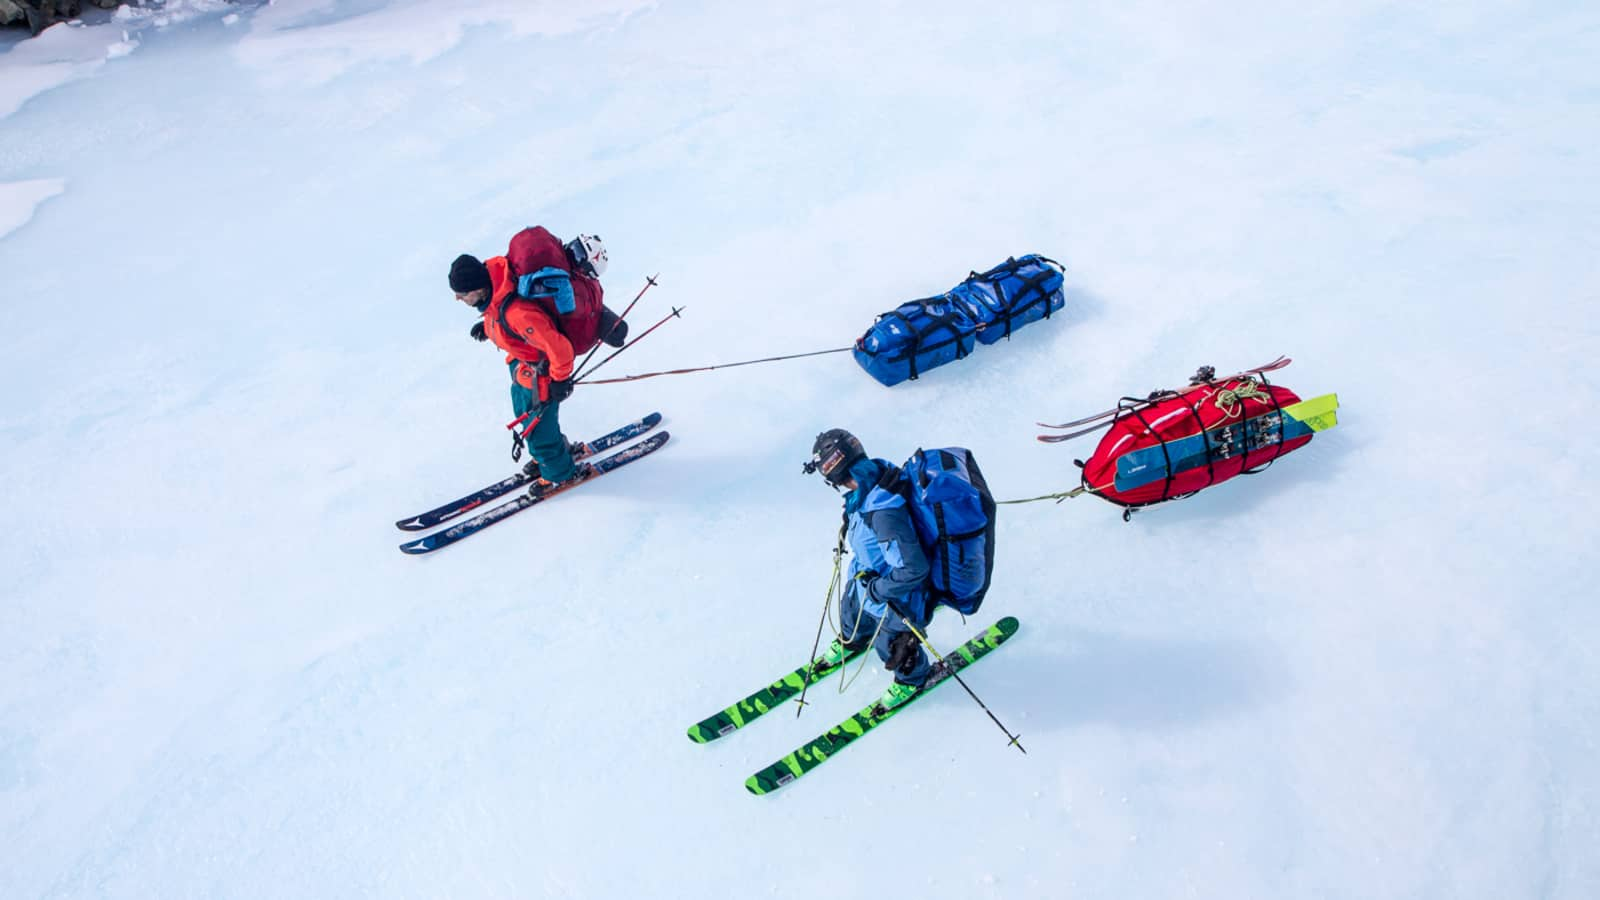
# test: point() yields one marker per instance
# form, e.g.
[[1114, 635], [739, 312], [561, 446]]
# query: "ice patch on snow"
[[122, 48], [65, 53], [312, 41], [1428, 151], [171, 12], [19, 199], [57, 56]]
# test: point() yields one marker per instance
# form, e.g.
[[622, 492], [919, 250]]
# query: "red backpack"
[[533, 249]]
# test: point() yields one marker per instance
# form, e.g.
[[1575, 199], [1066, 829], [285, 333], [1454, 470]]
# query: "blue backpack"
[[953, 512]]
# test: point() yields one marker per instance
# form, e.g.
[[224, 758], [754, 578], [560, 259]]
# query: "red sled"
[[1174, 443]]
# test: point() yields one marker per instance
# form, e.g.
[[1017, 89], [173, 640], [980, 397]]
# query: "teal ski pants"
[[546, 443]]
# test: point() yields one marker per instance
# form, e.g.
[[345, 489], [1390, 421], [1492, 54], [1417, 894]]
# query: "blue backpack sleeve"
[[549, 283]]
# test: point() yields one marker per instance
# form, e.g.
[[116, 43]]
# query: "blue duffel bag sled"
[[986, 307]]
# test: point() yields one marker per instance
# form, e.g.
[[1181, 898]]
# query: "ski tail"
[[765, 700], [1106, 418]]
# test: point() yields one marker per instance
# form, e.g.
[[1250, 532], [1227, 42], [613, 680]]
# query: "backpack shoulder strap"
[[505, 325], [893, 479]]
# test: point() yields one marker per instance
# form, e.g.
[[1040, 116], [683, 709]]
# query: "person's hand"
[[864, 580], [902, 653], [477, 331], [560, 390]]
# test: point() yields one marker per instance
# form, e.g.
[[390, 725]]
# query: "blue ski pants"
[[857, 622]]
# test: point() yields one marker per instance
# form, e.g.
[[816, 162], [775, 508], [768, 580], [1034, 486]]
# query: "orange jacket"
[[519, 327]]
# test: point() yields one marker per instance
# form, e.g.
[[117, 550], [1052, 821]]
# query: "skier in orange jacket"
[[543, 305]]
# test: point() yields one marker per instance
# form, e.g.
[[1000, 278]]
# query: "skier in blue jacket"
[[888, 581]]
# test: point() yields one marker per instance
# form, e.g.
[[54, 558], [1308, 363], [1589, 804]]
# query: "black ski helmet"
[[833, 453]]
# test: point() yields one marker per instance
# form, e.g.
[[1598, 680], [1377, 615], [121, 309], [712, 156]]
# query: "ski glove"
[[549, 283], [477, 332], [903, 657], [864, 580], [560, 390]]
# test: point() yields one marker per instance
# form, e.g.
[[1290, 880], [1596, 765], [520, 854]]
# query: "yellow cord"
[[1058, 497], [1231, 402]]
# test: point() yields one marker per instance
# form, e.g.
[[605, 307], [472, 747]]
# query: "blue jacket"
[[883, 540]]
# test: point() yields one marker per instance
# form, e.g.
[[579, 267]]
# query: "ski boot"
[[543, 487], [578, 449], [837, 653], [897, 694], [940, 670]]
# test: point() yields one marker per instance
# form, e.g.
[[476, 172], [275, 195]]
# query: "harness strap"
[[1032, 283], [505, 325], [919, 336], [1277, 408], [1211, 472]]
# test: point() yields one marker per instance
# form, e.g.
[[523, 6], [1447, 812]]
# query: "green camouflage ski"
[[765, 700], [816, 752]]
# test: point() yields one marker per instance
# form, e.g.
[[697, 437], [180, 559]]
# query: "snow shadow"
[[1136, 683], [1320, 462], [1082, 304]]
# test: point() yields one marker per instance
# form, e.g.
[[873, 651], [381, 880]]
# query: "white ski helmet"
[[588, 254]]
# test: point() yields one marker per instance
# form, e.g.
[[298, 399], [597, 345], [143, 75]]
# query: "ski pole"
[[540, 368], [517, 439], [649, 283], [1015, 738], [676, 312], [833, 586], [512, 425]]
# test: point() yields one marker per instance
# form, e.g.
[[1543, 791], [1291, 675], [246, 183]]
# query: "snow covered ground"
[[230, 361]]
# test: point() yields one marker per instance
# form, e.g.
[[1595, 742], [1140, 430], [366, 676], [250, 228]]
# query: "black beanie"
[[468, 273]]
